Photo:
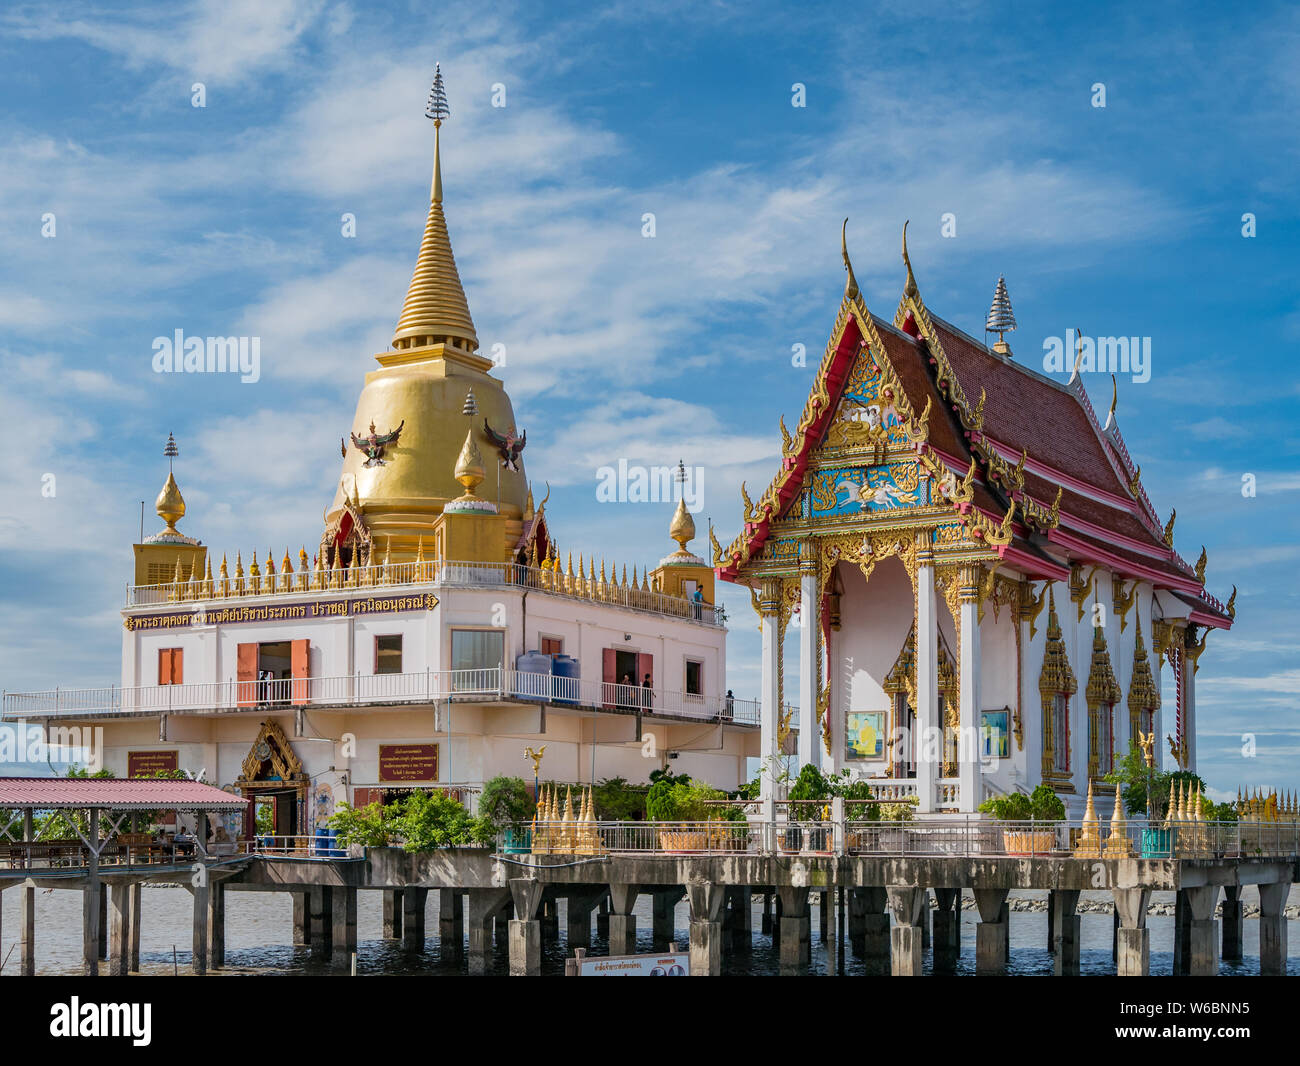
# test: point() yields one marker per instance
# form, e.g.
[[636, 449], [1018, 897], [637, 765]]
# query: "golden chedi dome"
[[420, 389]]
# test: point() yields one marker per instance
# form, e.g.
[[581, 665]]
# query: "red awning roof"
[[111, 793]]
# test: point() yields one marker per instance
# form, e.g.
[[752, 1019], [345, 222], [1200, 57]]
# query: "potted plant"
[[1042, 805], [811, 785], [357, 828], [507, 808]]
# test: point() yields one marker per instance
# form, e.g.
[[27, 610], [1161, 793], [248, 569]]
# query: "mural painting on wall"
[[855, 489], [995, 734], [864, 735], [324, 799]]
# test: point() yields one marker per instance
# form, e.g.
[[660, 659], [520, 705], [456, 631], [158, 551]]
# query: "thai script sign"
[[148, 763], [282, 612], [408, 762]]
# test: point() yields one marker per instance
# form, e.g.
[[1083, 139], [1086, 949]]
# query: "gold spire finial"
[[851, 285], [435, 309], [170, 504], [469, 466], [682, 528]]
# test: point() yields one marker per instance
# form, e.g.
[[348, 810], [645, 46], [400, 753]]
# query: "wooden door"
[[300, 669], [246, 675]]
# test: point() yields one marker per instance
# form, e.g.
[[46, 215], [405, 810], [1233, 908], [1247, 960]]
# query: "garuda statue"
[[508, 447], [373, 444]]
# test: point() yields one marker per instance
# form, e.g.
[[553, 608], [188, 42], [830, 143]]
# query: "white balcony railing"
[[429, 686], [438, 574]]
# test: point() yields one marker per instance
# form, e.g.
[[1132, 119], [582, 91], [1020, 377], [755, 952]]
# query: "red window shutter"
[[178, 665], [164, 666], [246, 674], [299, 668], [645, 664], [609, 670]]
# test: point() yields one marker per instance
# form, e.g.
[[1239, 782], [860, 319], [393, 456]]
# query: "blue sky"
[[1123, 220]]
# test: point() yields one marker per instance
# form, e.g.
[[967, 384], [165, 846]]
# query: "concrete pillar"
[[120, 922], [1133, 940], [1182, 943], [1065, 928], [216, 925], [525, 931], [343, 915], [969, 691], [740, 910], [483, 905], [834, 942], [857, 903], [602, 917], [823, 912], [925, 918], [946, 929], [301, 918], [664, 928], [29, 931], [991, 933], [1051, 919], [500, 924], [451, 922], [137, 919], [320, 912], [199, 946], [876, 952], [1114, 935], [415, 902], [706, 899], [810, 734], [906, 905], [578, 908], [1233, 920], [766, 923], [622, 922], [1203, 931], [927, 683], [1272, 930], [549, 916], [393, 914], [796, 929]]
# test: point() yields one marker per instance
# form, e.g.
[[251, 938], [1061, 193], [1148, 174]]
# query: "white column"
[[968, 747], [929, 743], [1189, 709], [770, 714], [810, 734]]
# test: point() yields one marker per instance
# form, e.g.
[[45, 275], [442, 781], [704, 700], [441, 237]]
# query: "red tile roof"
[[45, 793]]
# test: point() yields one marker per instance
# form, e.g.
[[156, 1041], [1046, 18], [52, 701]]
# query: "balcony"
[[434, 574], [374, 690]]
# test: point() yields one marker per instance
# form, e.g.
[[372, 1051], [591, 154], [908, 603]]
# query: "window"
[[694, 678], [1105, 739], [170, 666], [1061, 733], [477, 649], [552, 646], [388, 654]]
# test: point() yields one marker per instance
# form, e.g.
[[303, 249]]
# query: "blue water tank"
[[533, 675], [564, 682]]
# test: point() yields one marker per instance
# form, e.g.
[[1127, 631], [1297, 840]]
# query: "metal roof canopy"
[[114, 794]]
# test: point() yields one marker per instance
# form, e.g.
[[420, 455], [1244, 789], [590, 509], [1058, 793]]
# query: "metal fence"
[[935, 837], [428, 686]]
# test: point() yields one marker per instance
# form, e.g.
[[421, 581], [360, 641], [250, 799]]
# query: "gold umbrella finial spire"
[[435, 309]]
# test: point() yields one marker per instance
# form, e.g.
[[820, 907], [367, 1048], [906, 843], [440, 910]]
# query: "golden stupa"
[[423, 382]]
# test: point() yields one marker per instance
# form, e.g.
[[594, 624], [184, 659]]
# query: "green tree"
[[505, 802], [431, 820], [370, 826]]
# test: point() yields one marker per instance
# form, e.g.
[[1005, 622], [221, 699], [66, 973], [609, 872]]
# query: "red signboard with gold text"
[[148, 763], [408, 762]]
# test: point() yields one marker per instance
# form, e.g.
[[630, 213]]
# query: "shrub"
[[504, 802], [431, 820], [370, 826], [1045, 805], [617, 801]]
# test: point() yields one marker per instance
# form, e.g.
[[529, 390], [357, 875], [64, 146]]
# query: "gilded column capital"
[[769, 596]]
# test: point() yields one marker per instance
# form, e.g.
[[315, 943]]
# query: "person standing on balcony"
[[729, 706], [647, 693], [697, 598], [625, 688]]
